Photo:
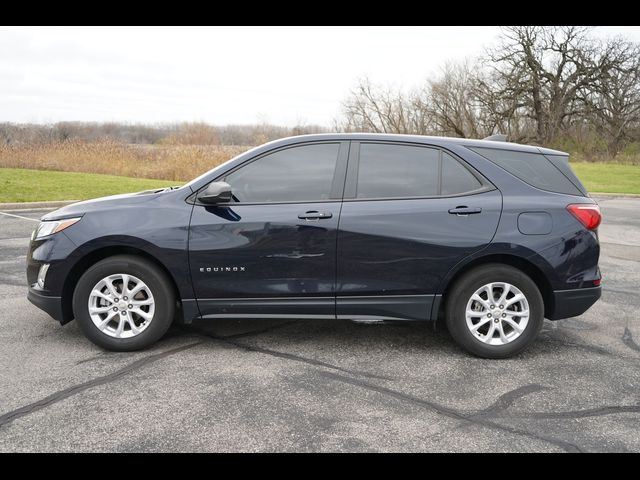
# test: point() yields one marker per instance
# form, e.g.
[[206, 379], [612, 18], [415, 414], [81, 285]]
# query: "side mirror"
[[216, 192]]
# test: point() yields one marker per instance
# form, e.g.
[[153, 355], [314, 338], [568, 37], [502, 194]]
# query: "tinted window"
[[456, 178], [391, 171], [561, 162], [296, 174], [532, 168]]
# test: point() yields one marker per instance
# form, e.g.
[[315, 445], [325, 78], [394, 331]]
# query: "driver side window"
[[296, 174]]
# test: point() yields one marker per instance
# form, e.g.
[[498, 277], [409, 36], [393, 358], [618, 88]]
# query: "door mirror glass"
[[216, 192]]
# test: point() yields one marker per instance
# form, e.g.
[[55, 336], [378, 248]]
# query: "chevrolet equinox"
[[490, 236]]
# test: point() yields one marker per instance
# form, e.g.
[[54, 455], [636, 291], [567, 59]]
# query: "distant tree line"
[[553, 86], [188, 133]]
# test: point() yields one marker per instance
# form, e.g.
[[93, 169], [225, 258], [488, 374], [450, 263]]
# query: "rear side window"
[[405, 171], [392, 171], [532, 168]]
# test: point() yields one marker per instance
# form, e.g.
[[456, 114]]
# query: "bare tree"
[[372, 108], [615, 98], [543, 69], [454, 104]]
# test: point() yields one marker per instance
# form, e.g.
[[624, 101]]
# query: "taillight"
[[588, 214]]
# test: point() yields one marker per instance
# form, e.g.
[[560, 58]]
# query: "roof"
[[439, 141]]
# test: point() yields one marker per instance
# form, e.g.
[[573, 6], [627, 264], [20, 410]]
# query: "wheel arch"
[[93, 257], [523, 264]]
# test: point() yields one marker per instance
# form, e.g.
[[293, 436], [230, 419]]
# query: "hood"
[[115, 202]]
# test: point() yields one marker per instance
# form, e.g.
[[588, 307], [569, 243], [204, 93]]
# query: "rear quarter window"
[[532, 168], [456, 179]]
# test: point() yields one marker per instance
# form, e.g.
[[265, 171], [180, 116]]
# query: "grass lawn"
[[21, 185], [608, 177]]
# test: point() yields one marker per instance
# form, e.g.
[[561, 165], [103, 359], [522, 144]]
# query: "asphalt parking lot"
[[324, 386]]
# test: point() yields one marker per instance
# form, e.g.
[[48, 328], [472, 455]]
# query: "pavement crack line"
[[261, 331], [60, 395], [289, 356], [507, 400], [452, 413], [564, 341], [627, 339], [503, 402], [592, 412], [98, 356]]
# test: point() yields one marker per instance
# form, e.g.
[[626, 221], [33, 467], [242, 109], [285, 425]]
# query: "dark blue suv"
[[491, 236]]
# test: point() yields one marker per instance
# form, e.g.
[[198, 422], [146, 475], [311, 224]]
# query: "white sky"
[[220, 75]]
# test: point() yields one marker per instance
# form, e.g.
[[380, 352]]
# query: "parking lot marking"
[[19, 216]]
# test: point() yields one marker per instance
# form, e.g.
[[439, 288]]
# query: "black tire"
[[464, 288], [155, 279]]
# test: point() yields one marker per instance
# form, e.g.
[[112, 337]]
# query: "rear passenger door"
[[410, 213]]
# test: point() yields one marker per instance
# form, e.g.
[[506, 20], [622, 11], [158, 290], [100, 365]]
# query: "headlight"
[[55, 226]]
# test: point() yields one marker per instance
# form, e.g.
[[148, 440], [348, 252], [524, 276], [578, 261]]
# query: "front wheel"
[[124, 303], [494, 311]]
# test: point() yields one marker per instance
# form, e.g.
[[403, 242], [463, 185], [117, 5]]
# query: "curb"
[[615, 195], [35, 205]]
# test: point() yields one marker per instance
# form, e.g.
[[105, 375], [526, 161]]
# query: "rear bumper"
[[571, 303], [51, 305]]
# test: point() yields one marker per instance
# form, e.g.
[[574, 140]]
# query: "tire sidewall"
[[464, 289], [151, 275]]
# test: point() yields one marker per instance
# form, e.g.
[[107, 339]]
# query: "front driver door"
[[272, 251]]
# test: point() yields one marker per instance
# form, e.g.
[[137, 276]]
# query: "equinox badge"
[[221, 269]]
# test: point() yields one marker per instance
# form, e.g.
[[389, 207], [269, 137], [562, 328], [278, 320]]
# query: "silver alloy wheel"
[[121, 305], [497, 313]]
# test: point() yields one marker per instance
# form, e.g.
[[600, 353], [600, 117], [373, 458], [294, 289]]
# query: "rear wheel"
[[494, 311], [124, 303]]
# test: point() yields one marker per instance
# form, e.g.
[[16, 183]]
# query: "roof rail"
[[498, 137]]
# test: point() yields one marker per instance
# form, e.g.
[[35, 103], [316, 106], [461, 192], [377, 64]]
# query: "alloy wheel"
[[121, 305], [497, 313]]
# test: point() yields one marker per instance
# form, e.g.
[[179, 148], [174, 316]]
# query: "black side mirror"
[[216, 192]]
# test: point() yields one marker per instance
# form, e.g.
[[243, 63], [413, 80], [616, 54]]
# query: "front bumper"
[[571, 303], [51, 305]]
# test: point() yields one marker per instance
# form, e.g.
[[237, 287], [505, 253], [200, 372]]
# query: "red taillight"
[[587, 213]]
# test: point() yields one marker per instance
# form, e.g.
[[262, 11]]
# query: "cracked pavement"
[[275, 385]]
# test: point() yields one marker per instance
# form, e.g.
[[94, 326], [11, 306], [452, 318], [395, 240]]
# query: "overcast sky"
[[220, 75]]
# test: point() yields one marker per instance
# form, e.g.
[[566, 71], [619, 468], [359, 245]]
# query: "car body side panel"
[[264, 252], [568, 253], [406, 247], [156, 224]]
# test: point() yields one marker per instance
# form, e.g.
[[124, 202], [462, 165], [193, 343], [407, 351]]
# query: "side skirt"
[[385, 307], [370, 307]]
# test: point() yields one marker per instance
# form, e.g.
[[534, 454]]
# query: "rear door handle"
[[464, 210], [314, 215]]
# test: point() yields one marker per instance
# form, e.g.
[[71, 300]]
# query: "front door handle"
[[314, 215], [464, 210]]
